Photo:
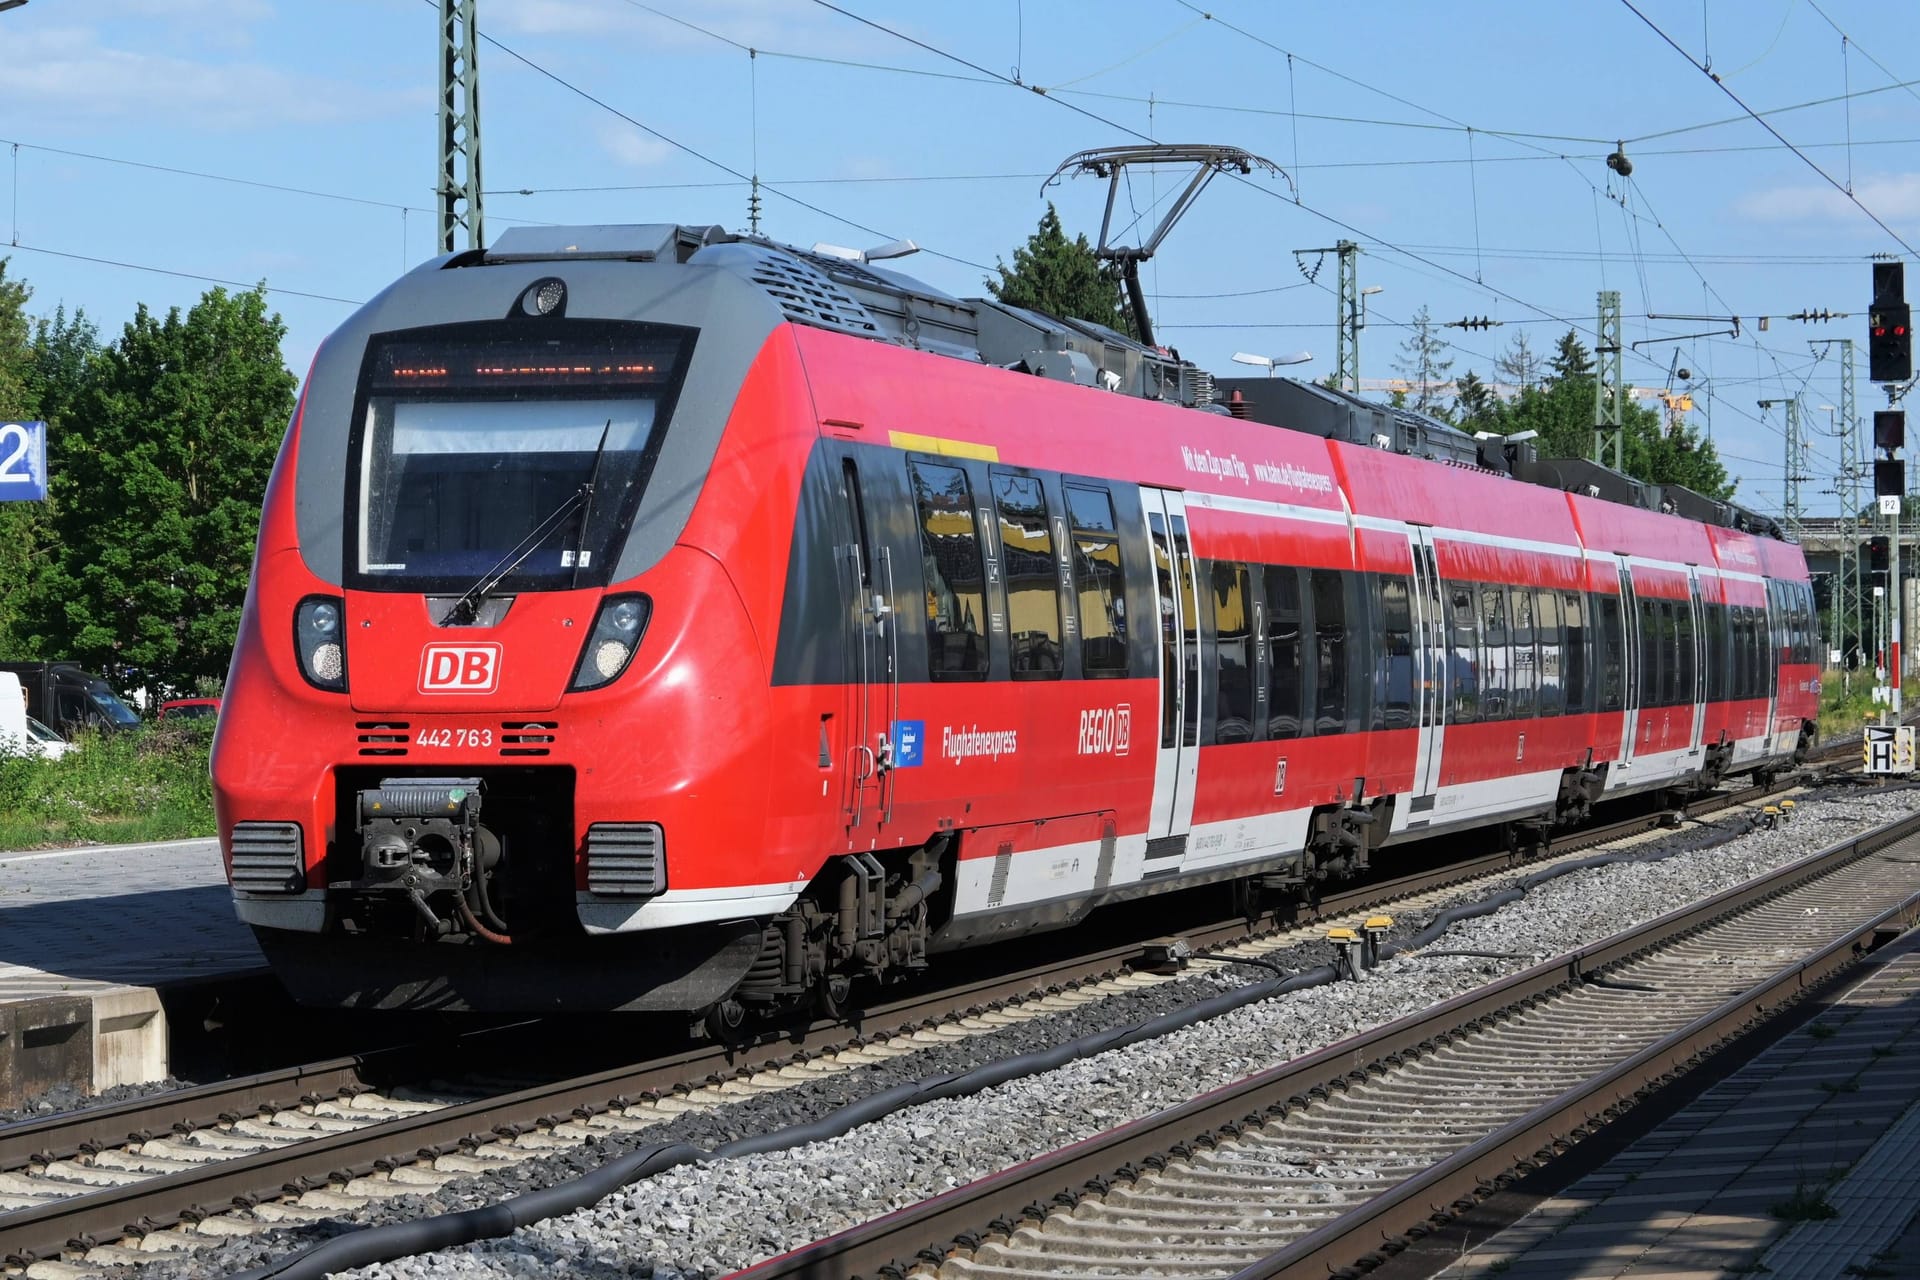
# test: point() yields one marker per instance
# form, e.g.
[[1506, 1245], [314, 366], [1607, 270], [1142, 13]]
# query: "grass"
[[1842, 713], [1806, 1204], [1821, 1031], [149, 783]]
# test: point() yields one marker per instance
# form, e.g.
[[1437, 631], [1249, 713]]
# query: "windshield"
[[109, 705], [473, 435], [40, 733]]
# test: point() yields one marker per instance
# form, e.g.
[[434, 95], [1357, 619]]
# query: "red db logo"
[[460, 668]]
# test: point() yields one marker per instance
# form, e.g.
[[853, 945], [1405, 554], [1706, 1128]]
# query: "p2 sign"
[[23, 461]]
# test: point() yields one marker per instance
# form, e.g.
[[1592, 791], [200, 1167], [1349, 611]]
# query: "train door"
[[1629, 664], [1430, 663], [1176, 600], [1776, 625], [870, 662], [1697, 642]]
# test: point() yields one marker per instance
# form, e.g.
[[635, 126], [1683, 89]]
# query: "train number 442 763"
[[447, 737]]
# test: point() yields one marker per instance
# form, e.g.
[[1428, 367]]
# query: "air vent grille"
[[808, 296], [528, 737], [626, 859], [382, 737], [267, 857]]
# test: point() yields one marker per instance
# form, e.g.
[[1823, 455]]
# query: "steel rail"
[[93, 1216], [894, 1244]]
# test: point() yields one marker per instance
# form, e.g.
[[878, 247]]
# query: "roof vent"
[[803, 291]]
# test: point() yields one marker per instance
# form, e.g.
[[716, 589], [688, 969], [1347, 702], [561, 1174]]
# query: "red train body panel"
[[822, 653]]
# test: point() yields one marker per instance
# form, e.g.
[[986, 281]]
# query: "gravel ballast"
[[711, 1218]]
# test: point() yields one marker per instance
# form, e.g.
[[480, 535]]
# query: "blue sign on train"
[[23, 461]]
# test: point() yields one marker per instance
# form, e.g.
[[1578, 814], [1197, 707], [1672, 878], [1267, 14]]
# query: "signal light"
[[1889, 428], [1878, 548], [1889, 478], [1889, 344]]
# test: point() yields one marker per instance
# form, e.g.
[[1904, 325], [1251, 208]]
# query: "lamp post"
[[1270, 363]]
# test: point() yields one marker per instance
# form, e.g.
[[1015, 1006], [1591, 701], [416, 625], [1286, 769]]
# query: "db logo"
[[460, 668], [1105, 731]]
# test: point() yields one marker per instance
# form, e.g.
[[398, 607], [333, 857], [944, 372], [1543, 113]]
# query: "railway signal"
[[1889, 325]]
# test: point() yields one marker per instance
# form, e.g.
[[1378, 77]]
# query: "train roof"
[[843, 291]]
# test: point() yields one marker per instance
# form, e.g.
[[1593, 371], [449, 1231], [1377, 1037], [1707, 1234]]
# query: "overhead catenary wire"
[[695, 152], [1764, 124]]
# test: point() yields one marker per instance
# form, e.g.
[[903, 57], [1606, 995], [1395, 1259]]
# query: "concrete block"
[[43, 1043], [129, 1037]]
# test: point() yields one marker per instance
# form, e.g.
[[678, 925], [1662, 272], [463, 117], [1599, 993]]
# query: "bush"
[[149, 783]]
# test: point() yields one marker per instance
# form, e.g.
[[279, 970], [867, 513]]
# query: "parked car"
[[70, 698], [190, 709], [20, 733]]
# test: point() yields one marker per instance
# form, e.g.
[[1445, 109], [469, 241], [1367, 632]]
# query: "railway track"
[[1307, 1168], [116, 1184]]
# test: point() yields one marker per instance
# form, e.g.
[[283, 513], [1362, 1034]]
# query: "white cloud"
[[1893, 197], [70, 73], [629, 146]]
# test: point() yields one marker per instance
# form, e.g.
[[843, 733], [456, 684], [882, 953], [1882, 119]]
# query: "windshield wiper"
[[467, 607], [586, 508]]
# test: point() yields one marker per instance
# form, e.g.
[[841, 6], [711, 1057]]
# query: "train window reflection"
[[1099, 582], [1033, 599], [1284, 685], [1233, 652], [953, 581]]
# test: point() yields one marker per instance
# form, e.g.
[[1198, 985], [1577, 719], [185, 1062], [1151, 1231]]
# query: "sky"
[[150, 148]]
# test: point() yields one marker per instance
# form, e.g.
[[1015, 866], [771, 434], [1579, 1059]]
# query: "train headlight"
[[320, 641], [610, 646]]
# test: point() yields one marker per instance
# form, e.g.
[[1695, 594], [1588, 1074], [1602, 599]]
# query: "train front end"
[[470, 756]]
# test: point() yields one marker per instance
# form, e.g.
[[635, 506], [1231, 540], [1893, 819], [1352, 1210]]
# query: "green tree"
[[1474, 403], [1061, 277], [157, 483], [1560, 410], [1570, 359], [1423, 362], [18, 520]]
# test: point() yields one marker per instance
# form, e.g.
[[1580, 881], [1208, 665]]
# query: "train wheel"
[[724, 1020]]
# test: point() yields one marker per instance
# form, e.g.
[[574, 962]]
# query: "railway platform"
[[95, 944], [1803, 1164]]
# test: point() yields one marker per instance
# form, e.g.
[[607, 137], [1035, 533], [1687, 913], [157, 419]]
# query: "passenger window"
[[1330, 667], [1613, 652], [1669, 655], [1283, 653], [1549, 696], [1165, 569], [1524, 674], [954, 582], [1496, 665], [1393, 662], [1033, 596], [1649, 653], [1099, 582], [1742, 653], [1573, 611], [1684, 690], [1463, 657], [1233, 653]]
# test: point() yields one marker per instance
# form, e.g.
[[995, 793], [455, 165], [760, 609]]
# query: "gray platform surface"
[[74, 921], [1826, 1119]]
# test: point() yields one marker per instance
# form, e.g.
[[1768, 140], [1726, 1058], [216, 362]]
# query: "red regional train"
[[657, 618]]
